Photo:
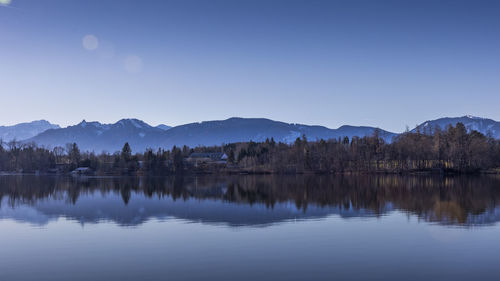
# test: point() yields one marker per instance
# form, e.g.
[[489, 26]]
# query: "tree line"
[[451, 150]]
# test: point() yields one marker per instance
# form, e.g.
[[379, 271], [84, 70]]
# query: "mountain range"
[[24, 131], [483, 125], [95, 136], [258, 129]]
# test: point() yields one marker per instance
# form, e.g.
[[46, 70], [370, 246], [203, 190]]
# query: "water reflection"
[[250, 200]]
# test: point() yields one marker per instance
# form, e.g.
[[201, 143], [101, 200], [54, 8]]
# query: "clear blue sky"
[[382, 63]]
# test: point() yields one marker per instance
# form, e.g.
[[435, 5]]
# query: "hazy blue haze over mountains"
[[94, 136], [99, 137], [24, 131]]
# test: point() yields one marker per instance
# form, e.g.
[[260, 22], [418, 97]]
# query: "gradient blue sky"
[[380, 63]]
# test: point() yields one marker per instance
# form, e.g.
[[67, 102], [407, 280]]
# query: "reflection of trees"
[[452, 200]]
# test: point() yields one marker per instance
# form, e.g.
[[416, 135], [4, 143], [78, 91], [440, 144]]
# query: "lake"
[[250, 228]]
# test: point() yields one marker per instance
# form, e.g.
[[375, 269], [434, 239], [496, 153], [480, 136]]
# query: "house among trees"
[[82, 171], [197, 158]]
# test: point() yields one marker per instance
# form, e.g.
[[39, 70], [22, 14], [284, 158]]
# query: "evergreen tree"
[[126, 152], [74, 155]]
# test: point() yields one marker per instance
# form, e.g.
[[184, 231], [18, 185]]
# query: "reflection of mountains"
[[250, 200]]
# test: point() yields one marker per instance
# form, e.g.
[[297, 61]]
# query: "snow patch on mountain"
[[135, 123], [163, 127]]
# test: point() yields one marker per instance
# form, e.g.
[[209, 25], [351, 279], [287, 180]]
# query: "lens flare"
[[90, 42], [5, 2]]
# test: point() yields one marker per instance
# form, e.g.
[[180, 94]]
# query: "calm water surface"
[[250, 228]]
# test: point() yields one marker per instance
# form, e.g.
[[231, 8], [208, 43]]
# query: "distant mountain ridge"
[[259, 129], [482, 125], [23, 131], [98, 137], [94, 136]]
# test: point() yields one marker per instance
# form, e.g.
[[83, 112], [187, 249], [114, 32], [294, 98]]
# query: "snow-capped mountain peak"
[[483, 125], [473, 117], [139, 124]]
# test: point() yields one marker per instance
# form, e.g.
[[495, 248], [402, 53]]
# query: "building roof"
[[82, 169], [211, 155]]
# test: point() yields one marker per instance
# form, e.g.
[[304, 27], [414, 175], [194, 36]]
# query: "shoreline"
[[245, 172]]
